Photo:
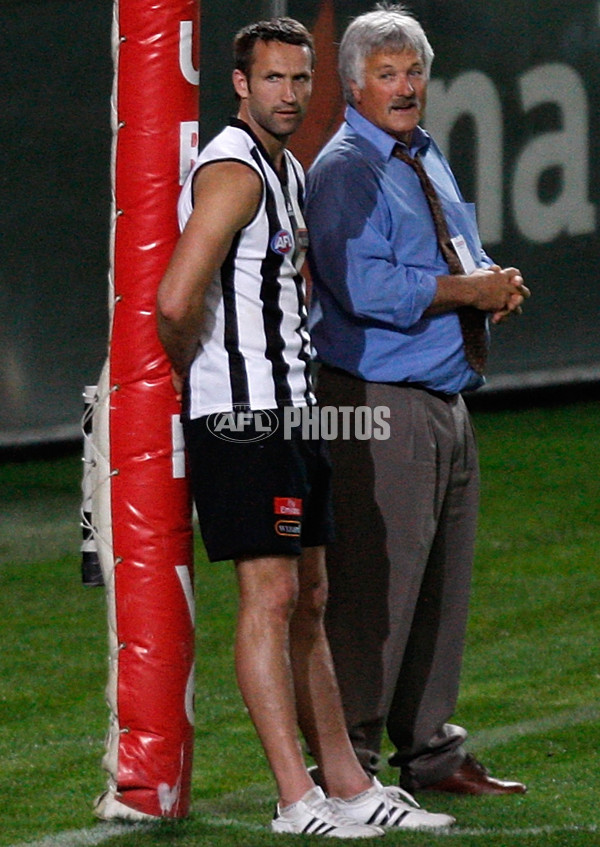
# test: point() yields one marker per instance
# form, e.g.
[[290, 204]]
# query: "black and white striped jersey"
[[254, 347]]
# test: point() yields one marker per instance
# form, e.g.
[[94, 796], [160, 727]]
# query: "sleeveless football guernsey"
[[254, 350]]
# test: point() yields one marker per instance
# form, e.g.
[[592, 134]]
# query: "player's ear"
[[240, 83]]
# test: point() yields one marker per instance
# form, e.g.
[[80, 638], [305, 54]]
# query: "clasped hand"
[[501, 292]]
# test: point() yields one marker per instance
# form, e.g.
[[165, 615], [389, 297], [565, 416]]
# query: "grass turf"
[[531, 681]]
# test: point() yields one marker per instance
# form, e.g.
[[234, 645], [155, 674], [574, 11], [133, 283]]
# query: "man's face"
[[275, 96], [394, 92]]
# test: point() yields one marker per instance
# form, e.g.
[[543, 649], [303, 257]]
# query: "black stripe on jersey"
[[300, 189], [238, 375], [304, 354], [270, 291]]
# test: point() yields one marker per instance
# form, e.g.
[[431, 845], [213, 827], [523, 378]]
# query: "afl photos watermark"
[[312, 422]]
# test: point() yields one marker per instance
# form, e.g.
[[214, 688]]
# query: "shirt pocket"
[[462, 220]]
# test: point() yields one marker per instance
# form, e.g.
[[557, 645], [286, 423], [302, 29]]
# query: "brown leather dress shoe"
[[473, 778]]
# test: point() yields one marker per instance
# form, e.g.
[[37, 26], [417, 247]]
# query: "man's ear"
[[240, 83], [356, 91]]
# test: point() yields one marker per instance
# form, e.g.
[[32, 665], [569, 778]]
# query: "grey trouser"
[[399, 573]]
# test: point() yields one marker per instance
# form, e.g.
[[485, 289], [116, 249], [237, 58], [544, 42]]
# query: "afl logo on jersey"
[[282, 242]]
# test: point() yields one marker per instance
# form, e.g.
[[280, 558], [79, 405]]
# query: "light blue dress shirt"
[[374, 260]]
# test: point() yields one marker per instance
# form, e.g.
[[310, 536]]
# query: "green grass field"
[[531, 683]]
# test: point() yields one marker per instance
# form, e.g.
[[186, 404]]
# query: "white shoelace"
[[397, 794]]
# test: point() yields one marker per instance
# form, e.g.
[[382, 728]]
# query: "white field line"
[[446, 833], [104, 831], [519, 833], [496, 736], [83, 837]]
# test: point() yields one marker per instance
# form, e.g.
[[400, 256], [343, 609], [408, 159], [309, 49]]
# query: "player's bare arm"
[[226, 196], [499, 291]]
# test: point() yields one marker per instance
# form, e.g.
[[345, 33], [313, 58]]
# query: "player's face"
[[394, 92], [275, 96]]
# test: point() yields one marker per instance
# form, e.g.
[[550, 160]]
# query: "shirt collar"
[[383, 141]]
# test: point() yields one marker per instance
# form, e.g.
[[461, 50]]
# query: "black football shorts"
[[260, 487]]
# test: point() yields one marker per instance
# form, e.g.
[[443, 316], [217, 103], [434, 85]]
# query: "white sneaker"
[[391, 808], [314, 814]]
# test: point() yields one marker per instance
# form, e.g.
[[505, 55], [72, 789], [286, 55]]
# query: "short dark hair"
[[286, 30]]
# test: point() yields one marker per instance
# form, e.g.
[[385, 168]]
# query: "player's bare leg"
[[268, 589], [318, 702]]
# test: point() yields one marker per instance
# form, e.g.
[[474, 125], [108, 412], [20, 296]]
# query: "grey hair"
[[388, 27]]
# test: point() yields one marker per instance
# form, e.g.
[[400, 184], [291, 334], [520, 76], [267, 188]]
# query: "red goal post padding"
[[141, 508]]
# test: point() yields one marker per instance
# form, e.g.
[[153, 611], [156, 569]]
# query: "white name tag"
[[464, 254]]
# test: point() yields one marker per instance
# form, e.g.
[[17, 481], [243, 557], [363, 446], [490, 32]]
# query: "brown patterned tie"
[[472, 321]]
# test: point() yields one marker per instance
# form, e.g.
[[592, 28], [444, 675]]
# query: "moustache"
[[404, 102]]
